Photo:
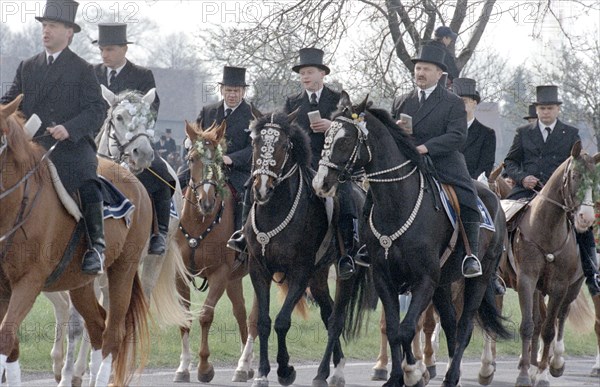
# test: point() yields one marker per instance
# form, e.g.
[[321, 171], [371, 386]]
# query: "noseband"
[[112, 135], [210, 172]]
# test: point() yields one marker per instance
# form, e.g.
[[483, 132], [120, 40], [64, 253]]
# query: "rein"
[[112, 135]]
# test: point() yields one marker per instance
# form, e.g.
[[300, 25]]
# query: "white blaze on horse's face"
[[325, 182], [585, 215]]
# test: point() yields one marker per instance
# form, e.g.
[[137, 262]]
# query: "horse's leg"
[[182, 374], [218, 283], [430, 326], [557, 361], [442, 299], [548, 334], [596, 368], [13, 368], [380, 368], [244, 371], [60, 302], [525, 290], [81, 362], [261, 282], [75, 332], [539, 315], [296, 288], [488, 356]]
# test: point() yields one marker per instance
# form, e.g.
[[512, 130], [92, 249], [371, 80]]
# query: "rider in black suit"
[[61, 88], [534, 156], [118, 74]]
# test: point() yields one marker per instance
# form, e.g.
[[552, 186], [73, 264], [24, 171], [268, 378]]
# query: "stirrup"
[[85, 269], [350, 270], [462, 267], [360, 254]]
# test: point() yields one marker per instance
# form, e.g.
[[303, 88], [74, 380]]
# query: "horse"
[[125, 139], [367, 137], [31, 252], [287, 234], [207, 221], [548, 261]]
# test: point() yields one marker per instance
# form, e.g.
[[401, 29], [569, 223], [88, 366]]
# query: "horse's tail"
[[489, 318], [580, 314], [167, 304], [362, 299], [301, 307], [136, 333]]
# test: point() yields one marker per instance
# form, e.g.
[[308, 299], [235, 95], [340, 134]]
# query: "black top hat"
[[431, 54], [234, 76], [444, 31], [311, 57], [112, 34], [532, 112], [466, 87], [547, 95], [62, 11]]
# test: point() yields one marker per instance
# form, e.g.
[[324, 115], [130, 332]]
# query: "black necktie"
[[50, 60], [313, 99], [423, 98], [113, 76], [228, 111], [548, 130]]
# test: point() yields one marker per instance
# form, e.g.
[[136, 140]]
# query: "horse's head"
[[129, 127], [279, 148], [205, 160], [345, 148]]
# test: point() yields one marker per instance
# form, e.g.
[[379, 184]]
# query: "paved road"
[[357, 374]]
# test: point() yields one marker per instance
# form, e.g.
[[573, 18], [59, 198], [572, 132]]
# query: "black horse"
[[407, 235], [284, 231]]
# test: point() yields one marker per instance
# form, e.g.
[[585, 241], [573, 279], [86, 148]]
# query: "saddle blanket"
[[486, 220], [173, 210], [116, 205]]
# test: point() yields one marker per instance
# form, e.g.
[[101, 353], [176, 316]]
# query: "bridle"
[[209, 173], [122, 147]]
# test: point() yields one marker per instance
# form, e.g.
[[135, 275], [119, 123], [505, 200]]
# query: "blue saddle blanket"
[[116, 205], [486, 220]]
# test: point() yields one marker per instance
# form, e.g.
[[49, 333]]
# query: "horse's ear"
[[11, 107], [363, 105], [576, 150], [150, 96], [255, 112], [190, 131], [292, 116], [345, 100], [220, 130], [108, 95]]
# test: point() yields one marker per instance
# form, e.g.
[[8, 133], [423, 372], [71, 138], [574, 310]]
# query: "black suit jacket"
[[530, 155], [441, 125], [237, 135], [66, 93], [327, 105], [131, 77], [480, 149]]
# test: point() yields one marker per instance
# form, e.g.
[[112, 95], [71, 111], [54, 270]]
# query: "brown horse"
[[206, 224], [31, 250], [547, 260]]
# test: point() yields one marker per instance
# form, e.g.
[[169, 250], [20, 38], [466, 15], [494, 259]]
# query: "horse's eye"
[[119, 117]]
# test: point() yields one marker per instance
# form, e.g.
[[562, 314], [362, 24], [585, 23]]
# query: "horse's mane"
[[300, 151], [401, 138], [26, 153]]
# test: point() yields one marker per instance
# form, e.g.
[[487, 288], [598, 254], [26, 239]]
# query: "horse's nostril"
[[135, 152]]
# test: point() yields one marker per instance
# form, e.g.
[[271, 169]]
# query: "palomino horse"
[[286, 227], [27, 194], [206, 224], [366, 137], [547, 261], [125, 139]]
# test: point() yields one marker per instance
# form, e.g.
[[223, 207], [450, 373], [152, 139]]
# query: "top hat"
[[62, 11], [547, 95], [444, 31], [234, 76], [466, 87], [311, 57], [532, 112], [112, 34], [431, 54]]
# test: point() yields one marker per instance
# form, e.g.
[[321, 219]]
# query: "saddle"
[[514, 210]]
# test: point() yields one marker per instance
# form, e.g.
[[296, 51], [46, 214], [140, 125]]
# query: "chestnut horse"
[[27, 195], [206, 223]]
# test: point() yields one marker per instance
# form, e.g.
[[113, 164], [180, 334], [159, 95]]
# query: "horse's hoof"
[[379, 374], [420, 383], [182, 377], [287, 380], [241, 376], [250, 374], [523, 381], [76, 381], [57, 378], [319, 383], [485, 380], [260, 382], [426, 376], [595, 372], [542, 383], [557, 372], [207, 376], [337, 381], [432, 371]]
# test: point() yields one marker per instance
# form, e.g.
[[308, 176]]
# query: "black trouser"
[[89, 192], [587, 252], [347, 216]]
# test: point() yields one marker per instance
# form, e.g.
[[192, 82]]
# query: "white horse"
[[125, 138]]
